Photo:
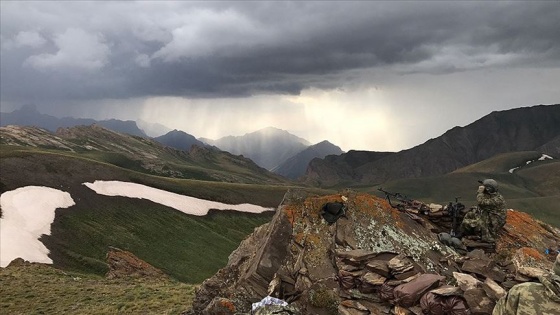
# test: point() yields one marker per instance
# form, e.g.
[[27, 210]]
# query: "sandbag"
[[346, 279], [408, 294], [434, 304], [367, 288], [386, 292]]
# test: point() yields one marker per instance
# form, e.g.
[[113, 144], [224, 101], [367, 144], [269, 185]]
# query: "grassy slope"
[[40, 289], [533, 188], [189, 248]]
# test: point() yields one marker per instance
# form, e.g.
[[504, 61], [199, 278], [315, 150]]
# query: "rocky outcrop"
[[18, 262], [123, 264], [373, 260]]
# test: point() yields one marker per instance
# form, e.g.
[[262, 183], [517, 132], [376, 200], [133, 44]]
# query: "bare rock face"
[[18, 262], [367, 262], [123, 264]]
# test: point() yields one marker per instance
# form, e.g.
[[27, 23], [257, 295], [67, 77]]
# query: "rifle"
[[398, 196], [453, 210]]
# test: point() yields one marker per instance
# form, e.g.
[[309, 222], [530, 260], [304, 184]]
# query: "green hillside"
[[187, 247]]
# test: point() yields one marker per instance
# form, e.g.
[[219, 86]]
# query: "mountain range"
[[270, 148], [141, 154], [28, 115], [534, 128]]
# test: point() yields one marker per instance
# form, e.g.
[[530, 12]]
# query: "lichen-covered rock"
[[219, 306], [352, 266]]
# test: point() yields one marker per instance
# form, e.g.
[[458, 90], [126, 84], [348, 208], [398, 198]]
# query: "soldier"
[[533, 298], [470, 224], [492, 210]]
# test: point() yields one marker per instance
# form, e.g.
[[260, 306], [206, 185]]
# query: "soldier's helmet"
[[490, 184]]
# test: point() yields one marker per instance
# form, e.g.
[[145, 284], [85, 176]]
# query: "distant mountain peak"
[[268, 147], [180, 140], [296, 166], [276, 132]]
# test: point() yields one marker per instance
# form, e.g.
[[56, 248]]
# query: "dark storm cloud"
[[98, 50]]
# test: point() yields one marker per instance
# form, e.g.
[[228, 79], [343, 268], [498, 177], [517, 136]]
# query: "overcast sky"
[[363, 75]]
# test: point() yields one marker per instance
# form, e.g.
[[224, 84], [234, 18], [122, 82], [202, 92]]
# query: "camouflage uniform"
[[533, 298], [493, 214], [471, 223]]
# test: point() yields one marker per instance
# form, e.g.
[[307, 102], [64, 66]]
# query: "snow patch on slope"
[[542, 158], [27, 213]]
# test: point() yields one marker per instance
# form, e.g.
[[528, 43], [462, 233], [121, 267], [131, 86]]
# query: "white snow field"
[[27, 213], [186, 204]]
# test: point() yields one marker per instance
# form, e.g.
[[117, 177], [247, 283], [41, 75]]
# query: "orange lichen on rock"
[[523, 231], [397, 218], [290, 212], [379, 209], [371, 206], [228, 304], [533, 253]]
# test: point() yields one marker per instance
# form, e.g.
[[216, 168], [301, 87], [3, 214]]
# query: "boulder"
[[123, 264], [18, 262], [493, 290], [466, 282], [484, 268]]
